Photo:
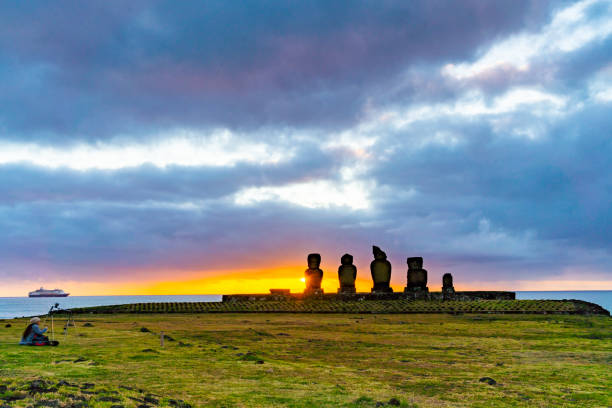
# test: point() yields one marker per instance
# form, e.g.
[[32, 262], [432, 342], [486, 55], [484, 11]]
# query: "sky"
[[162, 147]]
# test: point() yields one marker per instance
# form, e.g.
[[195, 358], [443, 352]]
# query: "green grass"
[[367, 306], [322, 360]]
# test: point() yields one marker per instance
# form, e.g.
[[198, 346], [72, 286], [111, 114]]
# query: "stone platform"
[[467, 295], [289, 304]]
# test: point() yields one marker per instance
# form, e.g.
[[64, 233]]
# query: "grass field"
[[314, 360]]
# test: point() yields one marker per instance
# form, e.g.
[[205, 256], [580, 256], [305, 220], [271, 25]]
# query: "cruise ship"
[[48, 293]]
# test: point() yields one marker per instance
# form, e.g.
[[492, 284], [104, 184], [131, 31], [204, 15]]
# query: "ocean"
[[11, 307], [601, 297]]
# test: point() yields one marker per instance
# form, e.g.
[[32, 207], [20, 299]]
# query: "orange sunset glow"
[[262, 280]]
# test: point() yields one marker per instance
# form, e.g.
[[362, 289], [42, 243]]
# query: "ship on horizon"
[[48, 293]]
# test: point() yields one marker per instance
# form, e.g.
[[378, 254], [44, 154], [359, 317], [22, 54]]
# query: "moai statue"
[[417, 276], [381, 271], [447, 283], [314, 275], [347, 273]]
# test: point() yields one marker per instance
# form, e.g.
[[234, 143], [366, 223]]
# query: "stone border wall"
[[470, 295]]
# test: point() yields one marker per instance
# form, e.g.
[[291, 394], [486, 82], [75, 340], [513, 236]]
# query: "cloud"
[[182, 139], [571, 28], [173, 183], [219, 148], [600, 87], [353, 195], [78, 72]]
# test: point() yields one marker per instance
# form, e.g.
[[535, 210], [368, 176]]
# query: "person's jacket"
[[35, 332]]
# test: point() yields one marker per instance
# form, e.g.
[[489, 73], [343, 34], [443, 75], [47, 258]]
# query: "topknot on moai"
[[313, 275], [380, 268], [417, 276], [347, 273]]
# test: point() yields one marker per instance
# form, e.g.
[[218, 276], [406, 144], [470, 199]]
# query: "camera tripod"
[[55, 310]]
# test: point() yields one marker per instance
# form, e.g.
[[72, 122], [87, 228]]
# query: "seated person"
[[33, 333]]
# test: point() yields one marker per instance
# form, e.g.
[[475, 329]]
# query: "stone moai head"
[[347, 259], [415, 262], [314, 261], [378, 253], [447, 280]]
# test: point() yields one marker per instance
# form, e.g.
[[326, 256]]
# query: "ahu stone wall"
[[468, 295]]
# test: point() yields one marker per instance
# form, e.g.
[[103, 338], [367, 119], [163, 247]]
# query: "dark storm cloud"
[[81, 70]]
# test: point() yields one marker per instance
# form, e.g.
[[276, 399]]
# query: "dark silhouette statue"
[[417, 276], [381, 271], [347, 273], [447, 283], [314, 275]]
